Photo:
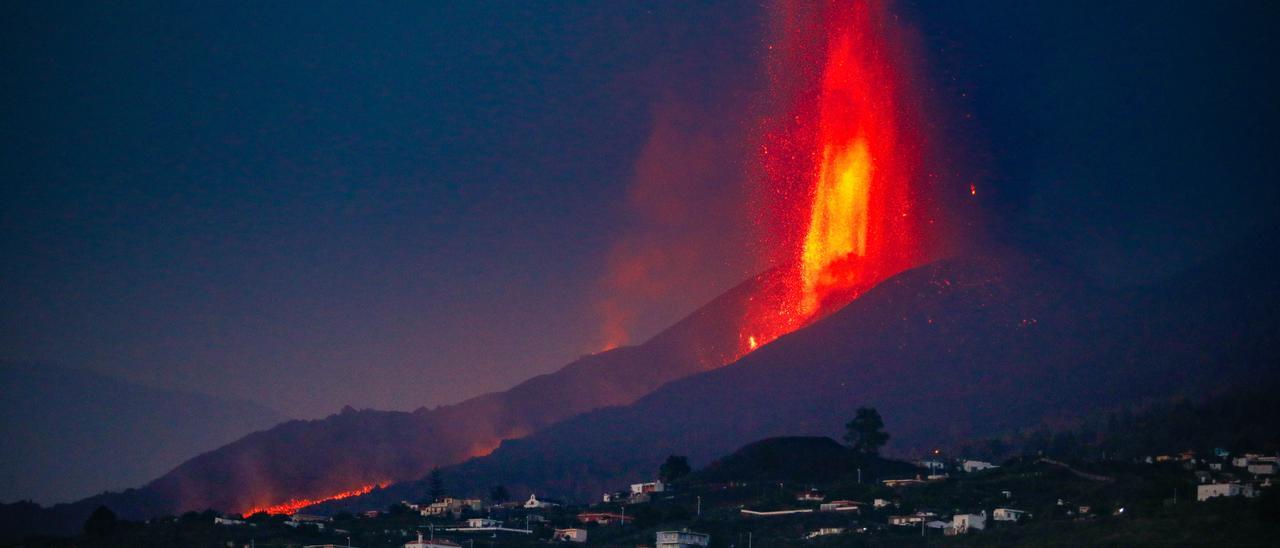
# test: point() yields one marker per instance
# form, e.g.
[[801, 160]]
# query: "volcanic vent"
[[843, 163]]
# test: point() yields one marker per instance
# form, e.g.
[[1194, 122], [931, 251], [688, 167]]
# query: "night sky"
[[398, 205]]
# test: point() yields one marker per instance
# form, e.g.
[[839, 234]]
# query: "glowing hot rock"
[[838, 225], [843, 167]]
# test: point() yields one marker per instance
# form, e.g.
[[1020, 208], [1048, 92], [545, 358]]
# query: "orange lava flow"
[[293, 505], [843, 164]]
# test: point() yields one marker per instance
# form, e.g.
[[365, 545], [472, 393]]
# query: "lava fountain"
[[842, 164]]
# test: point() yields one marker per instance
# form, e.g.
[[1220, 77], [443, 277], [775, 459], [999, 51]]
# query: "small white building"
[[970, 466], [681, 539], [648, 487], [910, 519], [932, 465], [812, 495], [1208, 491], [839, 506], [481, 523], [569, 535], [451, 506], [1240, 462], [219, 520], [1262, 468], [1009, 514], [535, 502], [826, 531], [881, 503], [963, 523]]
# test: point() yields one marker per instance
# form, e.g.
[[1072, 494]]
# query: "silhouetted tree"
[[101, 523], [675, 468], [436, 485], [498, 494], [865, 433]]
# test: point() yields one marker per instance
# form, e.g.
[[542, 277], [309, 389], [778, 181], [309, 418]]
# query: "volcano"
[[847, 169], [949, 352], [953, 350], [300, 463]]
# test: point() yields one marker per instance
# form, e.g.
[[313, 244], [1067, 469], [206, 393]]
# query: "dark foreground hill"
[[798, 460], [960, 349]]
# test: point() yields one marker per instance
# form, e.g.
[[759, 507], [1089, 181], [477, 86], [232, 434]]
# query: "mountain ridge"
[[960, 348]]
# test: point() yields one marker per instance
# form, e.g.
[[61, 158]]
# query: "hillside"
[[65, 429], [301, 460], [802, 460], [955, 350], [1078, 502]]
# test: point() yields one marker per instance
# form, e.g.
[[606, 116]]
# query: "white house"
[[1009, 514], [569, 535], [826, 531], [481, 523], [1240, 462], [1208, 491], [963, 523], [911, 519], [452, 506], [976, 465], [534, 502], [839, 506], [812, 495], [1262, 468], [681, 539], [648, 487], [931, 464], [219, 520]]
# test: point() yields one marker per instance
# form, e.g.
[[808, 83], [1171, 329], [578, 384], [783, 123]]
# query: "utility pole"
[[699, 505], [859, 475]]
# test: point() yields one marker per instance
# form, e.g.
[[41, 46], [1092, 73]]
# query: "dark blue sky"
[[400, 204]]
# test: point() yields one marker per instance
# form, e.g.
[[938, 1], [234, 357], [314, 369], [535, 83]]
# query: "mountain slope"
[[953, 350], [311, 460], [62, 428]]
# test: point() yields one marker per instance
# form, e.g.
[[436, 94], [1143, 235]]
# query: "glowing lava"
[[838, 223], [841, 164], [293, 505]]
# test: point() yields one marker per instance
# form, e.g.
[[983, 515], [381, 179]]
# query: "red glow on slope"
[[293, 505], [841, 165]]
